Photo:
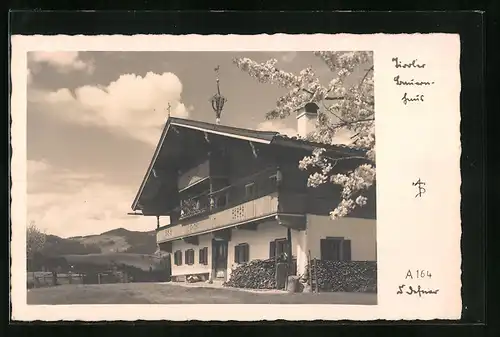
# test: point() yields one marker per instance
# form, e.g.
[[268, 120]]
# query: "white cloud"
[[132, 105], [79, 204], [343, 136], [289, 57], [278, 126], [37, 166], [63, 61]]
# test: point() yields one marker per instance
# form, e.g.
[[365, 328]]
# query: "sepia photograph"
[[201, 177]]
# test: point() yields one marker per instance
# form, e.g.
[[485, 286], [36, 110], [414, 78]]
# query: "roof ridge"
[[220, 125]]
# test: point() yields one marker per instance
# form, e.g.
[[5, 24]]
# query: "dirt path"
[[161, 293]]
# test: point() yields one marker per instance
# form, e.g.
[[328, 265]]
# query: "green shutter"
[[247, 253], [346, 250], [272, 249], [324, 250]]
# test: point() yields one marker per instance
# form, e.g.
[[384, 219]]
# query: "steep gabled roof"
[[264, 137]]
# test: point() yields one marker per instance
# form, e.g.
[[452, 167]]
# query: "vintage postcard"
[[315, 177]]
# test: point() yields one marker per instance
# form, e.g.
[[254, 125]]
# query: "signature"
[[409, 290]]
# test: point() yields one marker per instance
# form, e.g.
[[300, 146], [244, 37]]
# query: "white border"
[[411, 142]]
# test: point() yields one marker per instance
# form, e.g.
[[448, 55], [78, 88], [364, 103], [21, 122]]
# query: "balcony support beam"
[[224, 234], [252, 226], [192, 240], [166, 247], [292, 221]]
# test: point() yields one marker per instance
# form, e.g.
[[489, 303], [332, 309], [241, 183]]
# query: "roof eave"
[[151, 164], [185, 123]]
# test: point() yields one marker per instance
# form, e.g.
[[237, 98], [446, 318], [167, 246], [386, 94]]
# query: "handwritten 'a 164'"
[[418, 274]]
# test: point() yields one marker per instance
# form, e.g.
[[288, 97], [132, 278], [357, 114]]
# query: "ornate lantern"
[[218, 100]]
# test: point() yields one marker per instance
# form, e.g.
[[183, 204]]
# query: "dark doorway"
[[219, 254]]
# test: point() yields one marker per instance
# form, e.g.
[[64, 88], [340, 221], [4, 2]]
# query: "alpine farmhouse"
[[223, 196]]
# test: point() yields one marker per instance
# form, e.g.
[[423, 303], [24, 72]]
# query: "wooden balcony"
[[229, 217]]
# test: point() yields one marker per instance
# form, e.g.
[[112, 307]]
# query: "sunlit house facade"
[[223, 196]]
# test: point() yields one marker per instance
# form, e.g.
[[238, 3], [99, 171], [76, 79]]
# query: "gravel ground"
[[165, 293]]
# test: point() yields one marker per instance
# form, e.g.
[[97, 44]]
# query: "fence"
[[47, 279]]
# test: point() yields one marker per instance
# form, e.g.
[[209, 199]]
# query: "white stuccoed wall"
[[259, 240], [299, 241], [306, 123], [204, 241], [361, 232]]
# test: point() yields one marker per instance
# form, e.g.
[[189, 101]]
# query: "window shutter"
[[236, 252], [346, 250], [324, 251], [272, 249], [247, 253], [179, 258]]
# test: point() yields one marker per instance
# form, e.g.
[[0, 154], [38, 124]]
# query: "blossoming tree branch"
[[346, 106]]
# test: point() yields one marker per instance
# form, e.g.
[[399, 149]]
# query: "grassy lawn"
[[158, 293]]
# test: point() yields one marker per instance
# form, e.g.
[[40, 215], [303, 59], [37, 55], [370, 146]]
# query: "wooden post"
[[289, 253], [309, 269], [54, 278], [316, 276]]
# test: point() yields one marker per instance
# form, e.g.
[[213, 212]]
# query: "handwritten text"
[[404, 289], [410, 98]]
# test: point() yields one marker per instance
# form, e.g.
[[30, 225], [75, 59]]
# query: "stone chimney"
[[306, 119]]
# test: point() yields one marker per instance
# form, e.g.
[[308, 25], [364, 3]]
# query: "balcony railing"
[[247, 189], [222, 218]]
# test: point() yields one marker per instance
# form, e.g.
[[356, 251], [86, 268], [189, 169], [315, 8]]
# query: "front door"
[[219, 252]]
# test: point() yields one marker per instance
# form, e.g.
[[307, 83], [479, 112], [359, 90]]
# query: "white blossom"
[[361, 200], [346, 106]]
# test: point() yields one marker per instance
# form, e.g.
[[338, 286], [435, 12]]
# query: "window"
[[250, 190], [189, 256], [203, 256], [335, 249], [222, 200], [278, 247], [242, 253], [178, 258]]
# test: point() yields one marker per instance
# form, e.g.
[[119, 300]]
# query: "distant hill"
[[118, 240]]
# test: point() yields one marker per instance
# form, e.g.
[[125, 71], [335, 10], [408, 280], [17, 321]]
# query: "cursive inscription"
[[417, 98], [411, 82], [410, 290], [412, 64], [410, 98]]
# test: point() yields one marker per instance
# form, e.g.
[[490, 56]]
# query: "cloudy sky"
[[94, 119]]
